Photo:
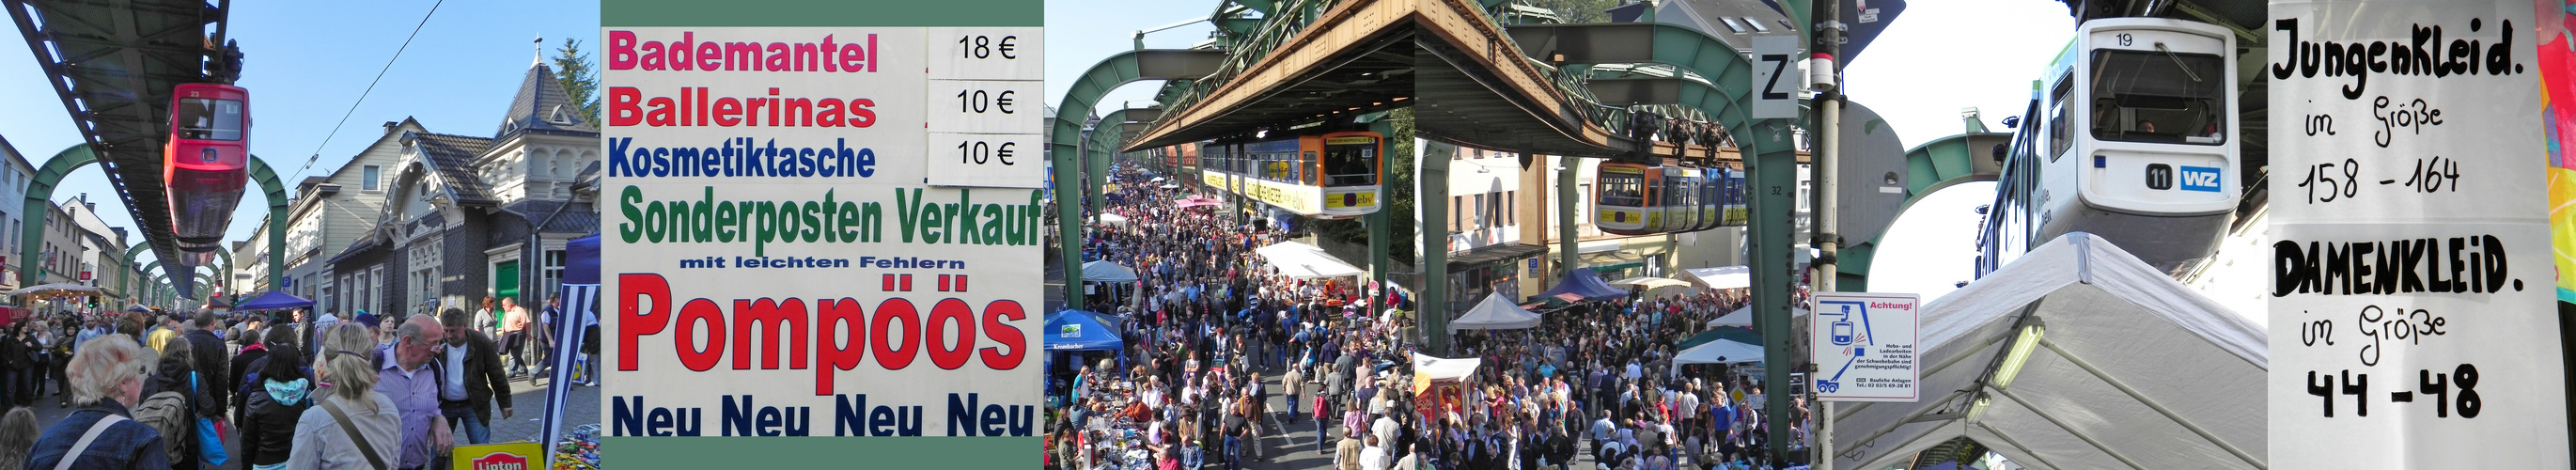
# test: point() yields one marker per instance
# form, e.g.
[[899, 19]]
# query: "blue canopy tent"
[[1074, 331], [1078, 330], [1586, 284], [580, 312], [273, 301]]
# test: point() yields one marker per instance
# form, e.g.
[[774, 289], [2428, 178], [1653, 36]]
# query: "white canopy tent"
[[1302, 261], [1724, 277], [1743, 317], [1113, 219], [1717, 352], [2084, 357], [1105, 271], [1649, 283], [1495, 313], [1443, 368]]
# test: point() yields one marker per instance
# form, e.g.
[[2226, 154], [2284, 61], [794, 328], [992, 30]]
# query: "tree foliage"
[[579, 77]]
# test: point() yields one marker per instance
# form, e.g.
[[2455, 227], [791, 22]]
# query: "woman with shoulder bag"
[[105, 377], [350, 425]]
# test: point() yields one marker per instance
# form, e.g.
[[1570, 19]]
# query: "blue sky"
[[306, 62], [1942, 55]]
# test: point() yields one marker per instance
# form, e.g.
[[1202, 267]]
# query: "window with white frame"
[[370, 283], [371, 178], [554, 272]]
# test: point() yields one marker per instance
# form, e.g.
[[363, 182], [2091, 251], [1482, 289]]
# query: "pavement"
[[528, 400]]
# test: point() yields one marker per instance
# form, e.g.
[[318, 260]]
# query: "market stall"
[[1439, 384]]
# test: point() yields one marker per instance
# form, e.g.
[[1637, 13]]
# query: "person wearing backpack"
[[101, 435], [350, 425], [268, 429], [173, 400]]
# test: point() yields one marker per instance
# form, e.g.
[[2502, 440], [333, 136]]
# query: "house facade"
[[464, 217]]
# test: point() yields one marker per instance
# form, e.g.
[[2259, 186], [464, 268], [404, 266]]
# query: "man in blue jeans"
[[470, 378]]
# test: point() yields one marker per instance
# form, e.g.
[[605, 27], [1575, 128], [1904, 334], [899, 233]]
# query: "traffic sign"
[[1864, 346], [1776, 77]]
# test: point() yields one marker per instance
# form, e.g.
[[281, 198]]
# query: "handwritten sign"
[[2411, 312]]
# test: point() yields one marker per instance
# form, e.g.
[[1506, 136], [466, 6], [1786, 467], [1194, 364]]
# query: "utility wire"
[[371, 88]]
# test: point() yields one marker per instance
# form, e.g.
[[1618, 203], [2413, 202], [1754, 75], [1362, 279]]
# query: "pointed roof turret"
[[542, 105]]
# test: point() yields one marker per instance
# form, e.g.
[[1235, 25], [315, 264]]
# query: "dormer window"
[[560, 116]]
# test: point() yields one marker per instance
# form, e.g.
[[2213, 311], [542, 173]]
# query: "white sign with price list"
[[2412, 322], [986, 126]]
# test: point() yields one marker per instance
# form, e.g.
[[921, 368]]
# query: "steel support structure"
[[1066, 132]]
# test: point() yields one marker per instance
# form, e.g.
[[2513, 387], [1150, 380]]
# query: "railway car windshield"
[[2159, 97], [1624, 189], [210, 119], [1350, 161]]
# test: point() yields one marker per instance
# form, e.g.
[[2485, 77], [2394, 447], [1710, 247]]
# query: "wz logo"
[[2196, 178]]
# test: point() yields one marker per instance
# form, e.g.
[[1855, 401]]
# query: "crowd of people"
[[1207, 323], [264, 390]]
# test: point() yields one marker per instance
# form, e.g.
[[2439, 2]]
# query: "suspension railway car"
[[2127, 137], [1331, 175], [204, 164], [1637, 199]]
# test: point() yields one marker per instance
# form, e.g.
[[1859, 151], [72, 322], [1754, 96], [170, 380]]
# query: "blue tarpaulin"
[[1586, 284], [273, 301], [580, 311], [1078, 330]]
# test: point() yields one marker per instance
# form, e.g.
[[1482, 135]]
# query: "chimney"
[[391, 125]]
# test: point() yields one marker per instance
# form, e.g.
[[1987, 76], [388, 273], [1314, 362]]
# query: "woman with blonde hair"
[[105, 377], [351, 425]]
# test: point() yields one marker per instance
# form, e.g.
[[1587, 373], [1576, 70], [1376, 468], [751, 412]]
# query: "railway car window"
[[2059, 138], [1305, 168], [1622, 189], [2159, 96], [210, 119], [1350, 165]]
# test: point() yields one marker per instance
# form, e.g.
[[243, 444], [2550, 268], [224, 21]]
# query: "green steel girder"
[[1266, 7], [1120, 69], [1690, 50], [267, 178], [1770, 156], [40, 193], [1064, 138], [40, 200], [1941, 163]]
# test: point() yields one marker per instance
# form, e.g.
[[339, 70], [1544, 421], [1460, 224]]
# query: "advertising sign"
[[1864, 345], [2411, 300], [821, 231], [520, 455]]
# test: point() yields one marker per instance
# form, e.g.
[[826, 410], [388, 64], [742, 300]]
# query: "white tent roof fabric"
[[1744, 317], [1105, 271], [1302, 261], [1443, 368], [1724, 277], [1495, 313], [1113, 219], [1719, 351], [2134, 370]]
